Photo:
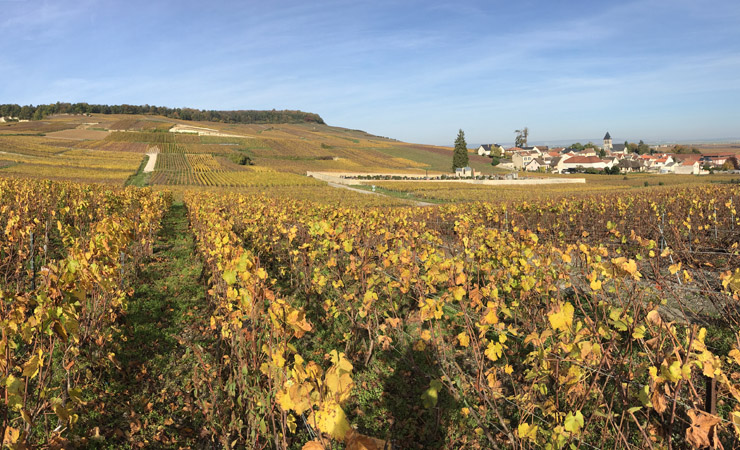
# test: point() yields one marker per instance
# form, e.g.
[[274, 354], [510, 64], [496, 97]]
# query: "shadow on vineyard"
[[406, 414], [143, 402]]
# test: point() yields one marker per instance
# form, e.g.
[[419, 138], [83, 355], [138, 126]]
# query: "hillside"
[[112, 147]]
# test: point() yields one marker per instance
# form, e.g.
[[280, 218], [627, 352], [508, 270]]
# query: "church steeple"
[[607, 142]]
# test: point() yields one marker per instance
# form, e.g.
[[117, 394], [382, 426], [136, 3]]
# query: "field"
[[229, 305], [78, 134]]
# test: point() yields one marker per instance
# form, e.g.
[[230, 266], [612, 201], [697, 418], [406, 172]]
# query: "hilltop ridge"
[[38, 112]]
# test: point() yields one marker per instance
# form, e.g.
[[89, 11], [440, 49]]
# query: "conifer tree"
[[460, 155]]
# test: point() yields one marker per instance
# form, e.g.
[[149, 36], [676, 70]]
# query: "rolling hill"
[[111, 147]]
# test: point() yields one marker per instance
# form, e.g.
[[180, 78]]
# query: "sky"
[[418, 71]]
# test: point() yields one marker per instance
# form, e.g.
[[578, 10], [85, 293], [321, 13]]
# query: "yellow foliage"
[[561, 317]]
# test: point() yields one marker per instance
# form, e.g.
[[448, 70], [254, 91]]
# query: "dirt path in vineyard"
[[145, 403]]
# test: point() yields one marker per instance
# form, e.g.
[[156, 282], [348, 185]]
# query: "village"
[[609, 158]]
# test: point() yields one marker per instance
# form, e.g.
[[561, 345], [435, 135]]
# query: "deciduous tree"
[[521, 137]]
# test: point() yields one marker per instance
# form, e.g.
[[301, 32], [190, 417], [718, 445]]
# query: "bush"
[[241, 159]]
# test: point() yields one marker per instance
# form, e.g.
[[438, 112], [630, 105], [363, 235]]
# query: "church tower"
[[607, 142]]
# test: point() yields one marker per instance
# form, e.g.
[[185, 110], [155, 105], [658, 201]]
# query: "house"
[[583, 162], [551, 154], [464, 172], [688, 167], [657, 164], [630, 165], [490, 149], [714, 160], [554, 162], [668, 168], [521, 158], [537, 149], [535, 165]]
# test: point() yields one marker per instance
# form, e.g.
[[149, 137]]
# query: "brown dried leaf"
[[357, 441], [313, 445], [658, 400], [702, 426]]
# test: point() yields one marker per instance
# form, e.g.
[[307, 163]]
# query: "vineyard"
[[67, 261], [604, 322], [174, 169], [246, 306], [75, 165], [28, 145]]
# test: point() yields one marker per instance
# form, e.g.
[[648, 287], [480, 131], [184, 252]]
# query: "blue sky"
[[412, 70]]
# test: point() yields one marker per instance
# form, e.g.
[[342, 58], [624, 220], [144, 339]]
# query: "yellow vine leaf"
[[463, 339], [527, 431], [493, 351], [347, 245], [458, 292], [573, 422], [490, 316], [671, 373], [11, 436], [735, 354], [674, 268], [31, 368], [339, 384], [330, 419], [562, 317]]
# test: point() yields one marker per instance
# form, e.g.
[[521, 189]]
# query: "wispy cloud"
[[415, 70]]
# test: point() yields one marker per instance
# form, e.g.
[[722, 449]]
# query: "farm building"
[[464, 172]]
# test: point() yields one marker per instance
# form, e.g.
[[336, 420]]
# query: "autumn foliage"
[[595, 322], [67, 258]]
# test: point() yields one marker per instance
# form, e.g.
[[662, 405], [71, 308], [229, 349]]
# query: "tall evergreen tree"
[[460, 155]]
